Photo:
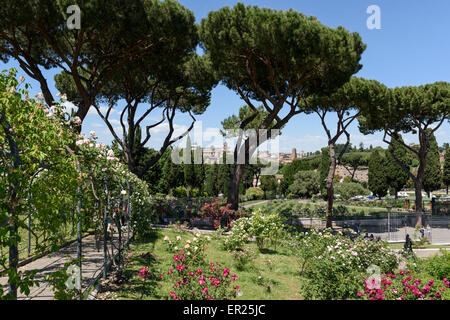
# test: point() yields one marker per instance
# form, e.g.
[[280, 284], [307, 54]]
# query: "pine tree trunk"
[[329, 185], [419, 209]]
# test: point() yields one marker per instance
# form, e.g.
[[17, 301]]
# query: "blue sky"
[[411, 48]]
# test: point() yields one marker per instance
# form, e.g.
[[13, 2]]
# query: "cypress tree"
[[396, 176], [432, 175], [446, 173], [189, 173], [199, 169], [377, 175], [211, 186], [223, 176]]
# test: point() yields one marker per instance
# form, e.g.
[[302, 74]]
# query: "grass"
[[270, 269]]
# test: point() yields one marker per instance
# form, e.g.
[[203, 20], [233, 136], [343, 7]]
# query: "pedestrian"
[[428, 231], [366, 236], [408, 243], [372, 238], [422, 231]]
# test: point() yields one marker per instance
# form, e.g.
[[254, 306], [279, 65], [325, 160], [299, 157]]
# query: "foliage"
[[432, 175], [59, 282], [192, 250], [208, 282], [347, 190], [355, 160], [411, 110], [254, 193], [438, 266], [446, 173], [331, 263], [401, 286], [377, 175], [306, 184], [268, 184], [221, 213], [260, 54], [263, 226], [242, 258], [37, 175], [396, 176]]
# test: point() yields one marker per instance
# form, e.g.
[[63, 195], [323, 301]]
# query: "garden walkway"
[[255, 204], [92, 268]]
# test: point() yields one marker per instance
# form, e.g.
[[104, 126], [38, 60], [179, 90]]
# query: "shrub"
[[239, 234], [241, 258], [193, 249], [264, 226], [306, 184], [181, 192], [221, 213], [350, 189], [208, 282], [438, 266], [332, 264], [254, 193]]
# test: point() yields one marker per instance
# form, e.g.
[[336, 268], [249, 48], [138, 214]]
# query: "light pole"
[[389, 207]]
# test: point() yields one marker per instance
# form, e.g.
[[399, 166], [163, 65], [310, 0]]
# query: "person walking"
[[408, 243], [429, 232], [422, 231]]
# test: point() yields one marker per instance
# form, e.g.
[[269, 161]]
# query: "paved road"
[[91, 268]]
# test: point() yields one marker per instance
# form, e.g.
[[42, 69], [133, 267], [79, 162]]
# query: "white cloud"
[[69, 107]]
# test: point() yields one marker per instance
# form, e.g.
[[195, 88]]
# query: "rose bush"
[[403, 286], [221, 213], [332, 264], [209, 282], [263, 226], [192, 249], [241, 258]]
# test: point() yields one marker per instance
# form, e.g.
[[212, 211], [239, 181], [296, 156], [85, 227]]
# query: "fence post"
[[29, 233], [128, 214], [105, 232], [79, 240]]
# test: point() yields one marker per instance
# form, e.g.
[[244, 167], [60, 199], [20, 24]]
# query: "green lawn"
[[273, 269]]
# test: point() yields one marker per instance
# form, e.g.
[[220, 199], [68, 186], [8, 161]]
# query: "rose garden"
[[154, 229]]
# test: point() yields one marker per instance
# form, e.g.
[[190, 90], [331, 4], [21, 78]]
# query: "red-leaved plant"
[[221, 213]]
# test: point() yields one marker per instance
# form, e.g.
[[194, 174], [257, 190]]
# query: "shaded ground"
[[92, 266]]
